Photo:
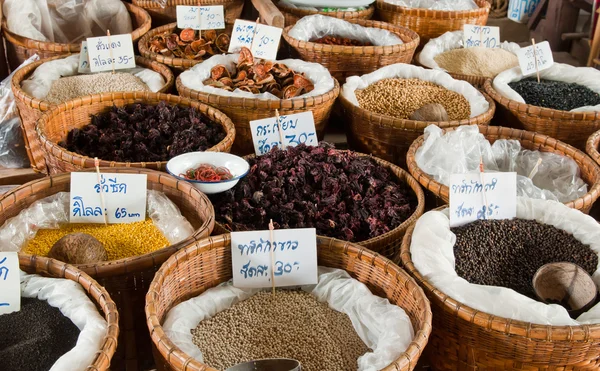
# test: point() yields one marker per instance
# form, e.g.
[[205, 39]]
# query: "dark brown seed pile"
[[508, 252], [35, 337], [293, 324], [555, 94]]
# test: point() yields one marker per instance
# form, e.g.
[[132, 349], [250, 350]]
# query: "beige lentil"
[[401, 97], [293, 324], [477, 61]]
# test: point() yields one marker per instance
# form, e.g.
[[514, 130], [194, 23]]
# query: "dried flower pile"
[[344, 41], [341, 194], [189, 45], [260, 77]]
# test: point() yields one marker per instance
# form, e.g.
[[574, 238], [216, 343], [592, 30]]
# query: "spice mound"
[[557, 95], [292, 324], [507, 253], [120, 240], [477, 61], [207, 173], [337, 40], [339, 193], [142, 132], [35, 337], [70, 87], [188, 44], [401, 97]]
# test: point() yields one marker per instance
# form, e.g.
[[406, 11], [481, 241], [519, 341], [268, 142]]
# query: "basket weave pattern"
[[160, 16], [293, 15]]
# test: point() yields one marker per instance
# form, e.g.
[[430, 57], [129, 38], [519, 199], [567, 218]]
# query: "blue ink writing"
[[5, 271]]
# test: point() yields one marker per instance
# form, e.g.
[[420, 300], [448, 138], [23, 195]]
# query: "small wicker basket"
[[160, 16], [213, 255], [293, 15], [592, 146]]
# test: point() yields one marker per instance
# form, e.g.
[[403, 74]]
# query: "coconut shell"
[[78, 248], [430, 112]]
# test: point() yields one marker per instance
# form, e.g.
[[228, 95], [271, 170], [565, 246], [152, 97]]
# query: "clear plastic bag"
[[436, 4]]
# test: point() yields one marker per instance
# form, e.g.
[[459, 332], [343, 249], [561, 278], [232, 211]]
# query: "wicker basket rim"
[[305, 12], [483, 7], [151, 4], [591, 146]]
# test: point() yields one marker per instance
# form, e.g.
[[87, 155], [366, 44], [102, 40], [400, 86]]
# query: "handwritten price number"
[[122, 213], [4, 275], [487, 42], [262, 270], [539, 54], [211, 19], [483, 213]]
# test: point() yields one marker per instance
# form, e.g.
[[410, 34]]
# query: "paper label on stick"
[[106, 51], [543, 54], [266, 39], [84, 59], [477, 196], [485, 36], [124, 197], [200, 17], [10, 283], [295, 129], [295, 255]]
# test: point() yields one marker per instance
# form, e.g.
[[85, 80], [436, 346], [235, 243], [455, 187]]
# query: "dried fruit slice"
[[209, 35], [222, 42], [187, 35], [218, 71]]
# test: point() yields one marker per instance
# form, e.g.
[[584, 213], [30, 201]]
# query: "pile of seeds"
[[293, 324], [337, 40], [477, 61], [401, 97], [507, 253], [35, 337], [70, 87], [555, 94]]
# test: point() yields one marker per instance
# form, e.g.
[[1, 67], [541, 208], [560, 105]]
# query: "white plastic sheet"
[[586, 76], [345, 5], [433, 256], [383, 327], [436, 4], [407, 71]]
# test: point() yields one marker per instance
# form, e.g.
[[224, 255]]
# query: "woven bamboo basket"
[[55, 124], [161, 16], [590, 171], [293, 15], [388, 137], [31, 109], [19, 48], [573, 128], [432, 23], [467, 339], [243, 110], [126, 280], [592, 146], [344, 61], [207, 263]]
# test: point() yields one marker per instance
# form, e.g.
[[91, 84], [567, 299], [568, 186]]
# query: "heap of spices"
[[142, 133], [208, 173], [341, 194], [70, 87], [477, 61], [291, 324], [557, 95], [507, 253], [35, 337], [338, 40], [189, 44], [401, 97]]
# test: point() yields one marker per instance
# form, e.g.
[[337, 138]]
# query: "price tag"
[[84, 60], [543, 54], [124, 197], [485, 36], [295, 129], [472, 199], [200, 17], [105, 51], [295, 255], [10, 283], [266, 39]]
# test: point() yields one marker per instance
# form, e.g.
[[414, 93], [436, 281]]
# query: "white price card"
[[124, 197], [295, 129], [527, 60], [200, 17], [84, 59], [266, 39], [106, 51], [295, 255], [478, 195], [485, 36], [10, 283]]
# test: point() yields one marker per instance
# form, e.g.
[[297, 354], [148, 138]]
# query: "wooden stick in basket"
[[279, 128], [112, 61], [483, 186], [254, 34], [535, 60], [271, 235], [97, 164]]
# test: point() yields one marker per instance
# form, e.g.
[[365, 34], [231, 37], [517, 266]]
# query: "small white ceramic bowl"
[[236, 165]]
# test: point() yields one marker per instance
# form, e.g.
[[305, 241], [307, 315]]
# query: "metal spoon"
[[274, 364]]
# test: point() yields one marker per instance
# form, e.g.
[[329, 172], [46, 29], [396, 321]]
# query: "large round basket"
[[19, 48], [467, 339], [31, 109], [163, 15], [590, 171], [432, 23], [126, 280], [293, 15], [55, 269], [180, 279], [243, 110], [344, 61], [573, 128], [54, 125], [388, 137]]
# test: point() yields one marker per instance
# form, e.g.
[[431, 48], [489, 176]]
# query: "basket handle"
[[269, 13]]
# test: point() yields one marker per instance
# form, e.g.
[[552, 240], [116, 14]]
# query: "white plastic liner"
[[383, 327], [40, 82], [432, 250], [195, 76], [586, 76], [68, 296], [316, 26], [436, 4], [407, 71], [345, 5]]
